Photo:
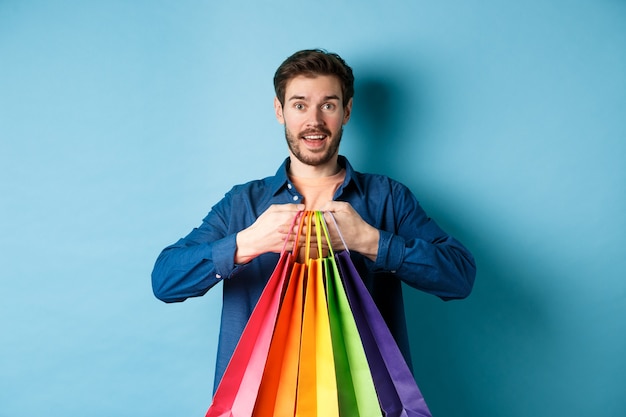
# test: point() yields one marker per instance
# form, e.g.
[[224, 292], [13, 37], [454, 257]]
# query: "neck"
[[302, 170]]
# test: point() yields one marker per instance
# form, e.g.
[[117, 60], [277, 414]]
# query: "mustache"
[[317, 131]]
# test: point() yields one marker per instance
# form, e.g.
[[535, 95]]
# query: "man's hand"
[[268, 233], [358, 235]]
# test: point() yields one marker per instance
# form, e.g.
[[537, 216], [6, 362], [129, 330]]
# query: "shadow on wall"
[[468, 354], [377, 122]]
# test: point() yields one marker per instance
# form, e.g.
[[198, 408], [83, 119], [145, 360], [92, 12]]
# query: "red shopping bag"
[[277, 393], [237, 391]]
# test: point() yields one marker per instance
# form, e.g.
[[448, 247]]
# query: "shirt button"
[[295, 198], [289, 186], [218, 276]]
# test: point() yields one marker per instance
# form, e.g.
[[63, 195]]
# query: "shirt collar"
[[281, 179]]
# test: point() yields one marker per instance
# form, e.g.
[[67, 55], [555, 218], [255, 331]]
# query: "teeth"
[[314, 137]]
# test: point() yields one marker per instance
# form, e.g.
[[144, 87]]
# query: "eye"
[[328, 106], [298, 106]]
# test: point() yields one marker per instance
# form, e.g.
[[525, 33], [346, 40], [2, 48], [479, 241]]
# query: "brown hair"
[[310, 63]]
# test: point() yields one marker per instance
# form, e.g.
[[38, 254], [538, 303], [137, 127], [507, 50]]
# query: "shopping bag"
[[316, 345], [277, 391], [237, 391], [299, 377], [317, 385], [398, 393], [356, 393]]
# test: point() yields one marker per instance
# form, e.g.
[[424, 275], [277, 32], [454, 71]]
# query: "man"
[[390, 237]]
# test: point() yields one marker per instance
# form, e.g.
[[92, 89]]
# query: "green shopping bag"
[[356, 391]]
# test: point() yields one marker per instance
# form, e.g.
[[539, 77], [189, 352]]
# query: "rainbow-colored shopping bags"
[[316, 344]]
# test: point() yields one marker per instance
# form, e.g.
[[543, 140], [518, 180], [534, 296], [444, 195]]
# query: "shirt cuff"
[[390, 252], [224, 256]]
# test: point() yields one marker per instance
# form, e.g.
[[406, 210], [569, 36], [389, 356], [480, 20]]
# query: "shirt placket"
[[295, 196]]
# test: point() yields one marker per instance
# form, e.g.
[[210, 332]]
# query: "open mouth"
[[314, 139]]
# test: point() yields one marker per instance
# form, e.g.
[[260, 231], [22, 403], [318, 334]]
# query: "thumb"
[[333, 206]]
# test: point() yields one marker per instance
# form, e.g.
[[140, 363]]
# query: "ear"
[[347, 112], [278, 110]]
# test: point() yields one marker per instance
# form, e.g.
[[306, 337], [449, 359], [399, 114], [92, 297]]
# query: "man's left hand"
[[358, 235]]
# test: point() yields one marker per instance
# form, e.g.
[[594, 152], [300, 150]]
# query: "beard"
[[317, 158]]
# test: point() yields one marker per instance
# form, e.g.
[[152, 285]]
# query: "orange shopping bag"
[[299, 377], [317, 385], [277, 393]]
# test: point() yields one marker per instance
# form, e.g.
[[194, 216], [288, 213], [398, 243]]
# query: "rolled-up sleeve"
[[390, 252]]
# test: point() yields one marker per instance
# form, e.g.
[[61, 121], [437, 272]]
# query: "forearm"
[[443, 267], [247, 247], [368, 243], [189, 269]]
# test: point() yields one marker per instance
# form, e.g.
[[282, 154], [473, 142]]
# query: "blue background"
[[122, 122]]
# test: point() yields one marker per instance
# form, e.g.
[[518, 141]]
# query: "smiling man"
[[314, 115], [390, 237]]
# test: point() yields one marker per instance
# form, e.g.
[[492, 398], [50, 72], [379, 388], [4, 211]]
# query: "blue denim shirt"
[[412, 249]]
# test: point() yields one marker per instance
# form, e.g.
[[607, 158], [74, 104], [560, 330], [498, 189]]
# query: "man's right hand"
[[268, 233]]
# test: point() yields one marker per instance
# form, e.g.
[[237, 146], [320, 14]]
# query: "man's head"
[[311, 63], [313, 101]]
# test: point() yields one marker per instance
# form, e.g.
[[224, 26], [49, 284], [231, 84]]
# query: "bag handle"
[[307, 250], [296, 247], [338, 232], [319, 220], [306, 218]]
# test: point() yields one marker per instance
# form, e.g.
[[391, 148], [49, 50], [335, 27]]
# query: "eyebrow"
[[327, 98]]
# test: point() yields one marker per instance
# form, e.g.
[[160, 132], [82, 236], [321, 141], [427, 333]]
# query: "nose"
[[316, 117]]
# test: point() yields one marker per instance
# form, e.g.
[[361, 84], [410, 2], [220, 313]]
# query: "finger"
[[335, 206], [290, 223], [286, 207]]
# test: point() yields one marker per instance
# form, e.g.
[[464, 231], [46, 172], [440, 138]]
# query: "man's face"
[[313, 115]]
